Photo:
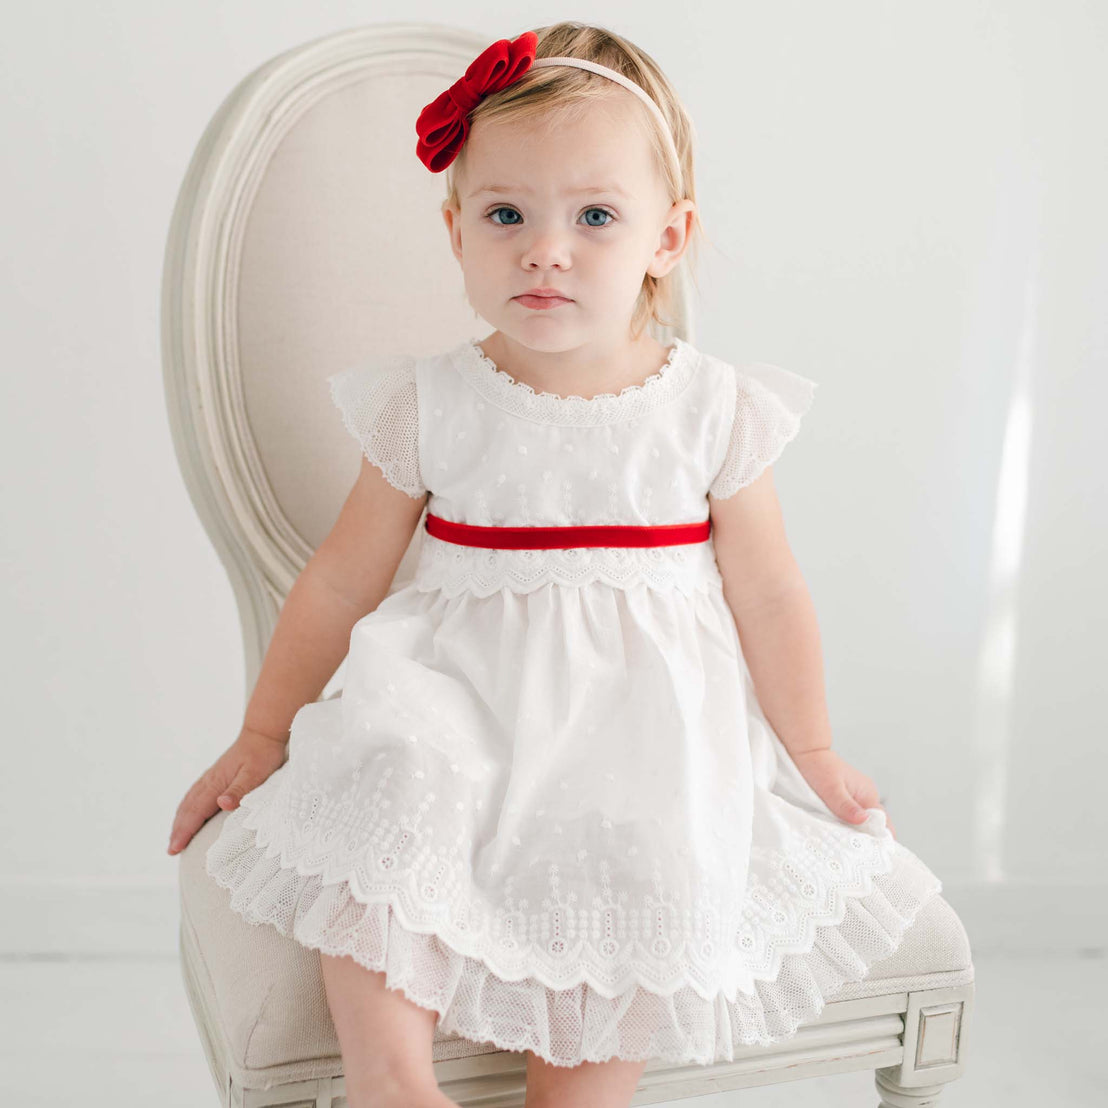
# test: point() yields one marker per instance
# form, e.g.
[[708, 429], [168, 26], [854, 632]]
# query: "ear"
[[673, 239], [452, 217]]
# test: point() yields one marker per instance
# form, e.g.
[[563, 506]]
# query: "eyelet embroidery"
[[424, 868]]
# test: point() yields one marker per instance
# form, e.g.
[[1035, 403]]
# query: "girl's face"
[[577, 207]]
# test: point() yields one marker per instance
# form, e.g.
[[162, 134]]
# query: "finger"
[[848, 807], [868, 796], [186, 825], [195, 810], [232, 796]]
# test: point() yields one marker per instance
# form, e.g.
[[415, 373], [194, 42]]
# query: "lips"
[[529, 300]]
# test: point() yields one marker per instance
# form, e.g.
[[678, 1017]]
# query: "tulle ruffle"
[[569, 1026]]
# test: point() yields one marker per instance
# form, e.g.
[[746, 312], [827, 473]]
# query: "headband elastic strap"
[[619, 78]]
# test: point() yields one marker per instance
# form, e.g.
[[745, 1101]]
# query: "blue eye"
[[502, 208], [497, 222], [602, 211]]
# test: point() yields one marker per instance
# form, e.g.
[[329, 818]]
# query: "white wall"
[[906, 204]]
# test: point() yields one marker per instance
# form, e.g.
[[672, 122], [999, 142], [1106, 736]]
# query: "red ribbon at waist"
[[545, 538]]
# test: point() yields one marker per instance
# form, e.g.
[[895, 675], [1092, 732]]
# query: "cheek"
[[632, 260]]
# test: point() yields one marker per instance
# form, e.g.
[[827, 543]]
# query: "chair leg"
[[897, 1096], [935, 1025]]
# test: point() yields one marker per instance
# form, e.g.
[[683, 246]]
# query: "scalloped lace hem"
[[572, 1025]]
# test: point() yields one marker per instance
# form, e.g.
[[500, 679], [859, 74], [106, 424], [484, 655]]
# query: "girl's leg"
[[385, 1039], [608, 1084]]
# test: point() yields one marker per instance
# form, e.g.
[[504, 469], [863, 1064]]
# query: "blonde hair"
[[554, 93]]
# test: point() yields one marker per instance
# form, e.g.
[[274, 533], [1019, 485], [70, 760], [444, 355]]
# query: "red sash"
[[545, 538]]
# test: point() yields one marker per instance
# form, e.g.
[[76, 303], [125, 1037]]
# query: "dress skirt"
[[559, 819]]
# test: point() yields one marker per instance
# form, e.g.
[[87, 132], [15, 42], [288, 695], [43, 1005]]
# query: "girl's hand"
[[249, 760], [844, 789]]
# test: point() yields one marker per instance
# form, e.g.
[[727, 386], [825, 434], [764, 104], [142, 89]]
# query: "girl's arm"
[[347, 577], [777, 627], [773, 612]]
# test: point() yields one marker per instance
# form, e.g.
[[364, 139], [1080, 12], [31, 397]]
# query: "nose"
[[546, 250]]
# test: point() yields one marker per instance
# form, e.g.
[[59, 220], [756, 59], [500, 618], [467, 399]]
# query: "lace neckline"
[[500, 387]]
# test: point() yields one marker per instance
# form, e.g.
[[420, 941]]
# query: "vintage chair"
[[304, 183]]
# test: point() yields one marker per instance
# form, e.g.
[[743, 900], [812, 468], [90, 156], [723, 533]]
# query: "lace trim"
[[425, 873], [818, 924], [454, 568], [520, 399], [379, 407], [769, 404]]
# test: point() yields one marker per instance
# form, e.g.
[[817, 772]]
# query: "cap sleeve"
[[769, 402], [379, 407]]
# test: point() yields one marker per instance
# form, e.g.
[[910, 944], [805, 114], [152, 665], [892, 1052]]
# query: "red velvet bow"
[[443, 124]]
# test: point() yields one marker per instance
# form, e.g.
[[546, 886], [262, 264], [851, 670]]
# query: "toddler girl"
[[578, 797]]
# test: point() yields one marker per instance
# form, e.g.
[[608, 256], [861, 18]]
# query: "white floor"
[[100, 1033]]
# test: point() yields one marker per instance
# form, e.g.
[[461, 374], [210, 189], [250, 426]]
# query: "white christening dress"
[[547, 804]]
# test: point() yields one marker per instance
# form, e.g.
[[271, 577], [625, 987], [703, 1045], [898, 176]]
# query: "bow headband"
[[443, 124]]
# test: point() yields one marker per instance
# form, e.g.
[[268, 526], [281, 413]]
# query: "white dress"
[[547, 803]]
